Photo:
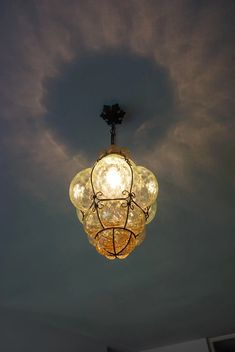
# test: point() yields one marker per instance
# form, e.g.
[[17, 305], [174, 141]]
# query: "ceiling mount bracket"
[[113, 115]]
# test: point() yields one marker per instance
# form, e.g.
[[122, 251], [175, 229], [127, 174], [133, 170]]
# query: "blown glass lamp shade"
[[114, 200]]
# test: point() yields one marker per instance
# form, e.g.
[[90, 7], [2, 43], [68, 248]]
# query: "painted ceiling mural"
[[170, 66]]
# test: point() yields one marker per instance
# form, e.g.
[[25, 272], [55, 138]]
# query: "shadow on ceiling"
[[75, 97]]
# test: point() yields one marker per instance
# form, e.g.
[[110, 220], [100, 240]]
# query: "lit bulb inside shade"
[[113, 178]]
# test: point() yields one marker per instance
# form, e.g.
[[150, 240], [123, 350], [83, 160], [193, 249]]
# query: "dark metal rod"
[[113, 134], [113, 115]]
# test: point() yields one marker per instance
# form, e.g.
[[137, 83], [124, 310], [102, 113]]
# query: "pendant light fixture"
[[115, 198]]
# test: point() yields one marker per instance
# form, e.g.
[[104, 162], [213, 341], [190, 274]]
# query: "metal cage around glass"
[[114, 200]]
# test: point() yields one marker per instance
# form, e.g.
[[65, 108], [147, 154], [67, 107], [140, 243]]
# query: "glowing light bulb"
[[113, 178]]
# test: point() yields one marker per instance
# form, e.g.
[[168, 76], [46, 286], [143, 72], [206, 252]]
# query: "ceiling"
[[170, 66]]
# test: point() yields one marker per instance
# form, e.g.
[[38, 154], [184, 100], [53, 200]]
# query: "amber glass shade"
[[115, 200]]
